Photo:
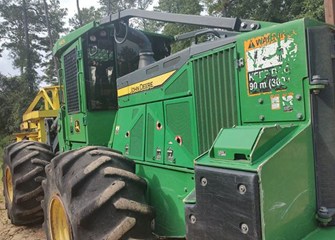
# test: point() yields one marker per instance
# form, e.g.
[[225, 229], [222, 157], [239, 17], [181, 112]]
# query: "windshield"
[[100, 70]]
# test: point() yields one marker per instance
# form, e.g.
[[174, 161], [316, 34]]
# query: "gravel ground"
[[11, 232]]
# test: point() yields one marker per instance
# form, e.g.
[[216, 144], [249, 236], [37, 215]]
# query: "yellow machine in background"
[[45, 105]]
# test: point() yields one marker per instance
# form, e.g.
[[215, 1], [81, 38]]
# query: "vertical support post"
[[329, 11]]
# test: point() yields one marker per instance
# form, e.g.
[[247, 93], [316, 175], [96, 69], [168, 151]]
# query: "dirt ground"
[[11, 232]]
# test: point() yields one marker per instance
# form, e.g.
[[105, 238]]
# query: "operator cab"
[[107, 57]]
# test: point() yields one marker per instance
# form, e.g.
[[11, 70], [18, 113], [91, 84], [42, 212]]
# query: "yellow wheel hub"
[[59, 224], [9, 184]]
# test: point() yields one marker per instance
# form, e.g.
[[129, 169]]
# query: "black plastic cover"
[[227, 205], [321, 48]]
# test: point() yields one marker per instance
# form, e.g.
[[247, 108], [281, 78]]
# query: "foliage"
[[14, 99], [32, 51], [271, 10], [57, 27], [87, 15], [12, 30], [113, 6], [177, 6], [313, 9]]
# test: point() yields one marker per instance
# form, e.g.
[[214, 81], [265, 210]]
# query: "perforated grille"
[[215, 91], [137, 138], [71, 82], [178, 118], [150, 136]]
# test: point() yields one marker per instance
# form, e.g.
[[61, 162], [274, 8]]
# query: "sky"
[[5, 62]]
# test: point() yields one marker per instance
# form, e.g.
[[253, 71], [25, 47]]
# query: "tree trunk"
[[29, 71], [51, 41], [79, 14], [329, 6]]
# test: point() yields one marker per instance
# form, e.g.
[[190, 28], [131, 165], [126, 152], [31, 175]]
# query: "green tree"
[[145, 24], [179, 6], [313, 9], [113, 6], [52, 18], [14, 99], [87, 15], [80, 20], [18, 39], [271, 10], [24, 34]]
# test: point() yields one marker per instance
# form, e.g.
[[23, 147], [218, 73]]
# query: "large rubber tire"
[[23, 172], [93, 193]]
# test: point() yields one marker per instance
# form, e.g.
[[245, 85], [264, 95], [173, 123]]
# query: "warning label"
[[268, 59]]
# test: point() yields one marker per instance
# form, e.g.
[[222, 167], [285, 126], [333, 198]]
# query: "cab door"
[[75, 104]]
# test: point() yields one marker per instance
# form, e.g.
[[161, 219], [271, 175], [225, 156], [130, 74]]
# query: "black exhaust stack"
[[146, 54]]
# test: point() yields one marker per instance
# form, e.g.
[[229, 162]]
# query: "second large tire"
[[23, 172], [93, 193]]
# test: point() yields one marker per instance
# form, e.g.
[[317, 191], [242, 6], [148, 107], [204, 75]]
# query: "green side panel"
[[181, 84], [321, 234], [155, 127], [167, 189], [129, 132], [181, 145], [215, 94], [273, 67], [99, 127], [178, 85], [288, 198]]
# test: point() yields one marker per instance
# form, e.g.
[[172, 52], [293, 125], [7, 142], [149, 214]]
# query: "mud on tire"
[[100, 194], [23, 172]]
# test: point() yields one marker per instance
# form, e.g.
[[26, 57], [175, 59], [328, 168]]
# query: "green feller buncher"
[[231, 138]]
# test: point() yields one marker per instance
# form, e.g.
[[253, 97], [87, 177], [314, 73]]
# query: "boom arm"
[[231, 24]]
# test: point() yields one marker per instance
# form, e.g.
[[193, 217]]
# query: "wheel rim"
[[9, 184], [59, 224]]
